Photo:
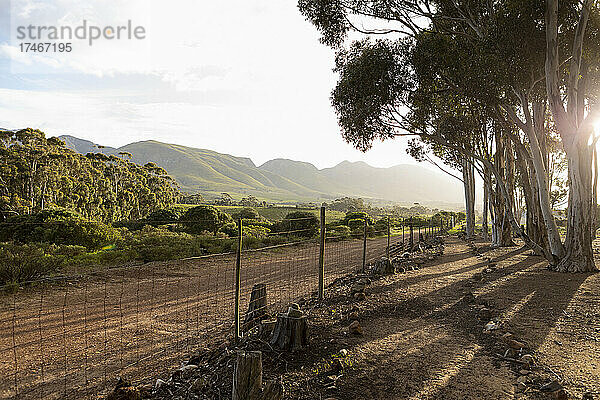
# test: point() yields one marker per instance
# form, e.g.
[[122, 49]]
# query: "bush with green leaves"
[[298, 223], [230, 229], [247, 213], [381, 226], [156, 244], [341, 231], [163, 217], [255, 231], [356, 224], [204, 218], [357, 215], [26, 262], [58, 227]]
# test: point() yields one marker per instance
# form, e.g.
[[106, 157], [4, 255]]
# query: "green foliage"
[[247, 213], [346, 204], [255, 231], [39, 173], [299, 223], [163, 217], [204, 218], [372, 77], [19, 263], [356, 224], [155, 244], [230, 229], [341, 231], [357, 215], [381, 225], [58, 227], [194, 199]]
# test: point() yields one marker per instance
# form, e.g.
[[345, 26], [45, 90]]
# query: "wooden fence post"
[[322, 256], [387, 250], [364, 268], [403, 221], [411, 240], [238, 265]]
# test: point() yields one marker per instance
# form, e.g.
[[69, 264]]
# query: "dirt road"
[[73, 339], [424, 334]]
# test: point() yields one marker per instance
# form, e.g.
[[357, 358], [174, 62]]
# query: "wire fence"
[[72, 339]]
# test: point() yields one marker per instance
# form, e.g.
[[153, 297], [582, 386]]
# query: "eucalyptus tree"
[[39, 173], [571, 72], [477, 51]]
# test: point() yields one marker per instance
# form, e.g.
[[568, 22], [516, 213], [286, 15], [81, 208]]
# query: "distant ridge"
[[211, 173]]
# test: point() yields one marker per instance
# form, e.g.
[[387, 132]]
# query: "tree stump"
[[291, 330], [257, 308], [247, 377]]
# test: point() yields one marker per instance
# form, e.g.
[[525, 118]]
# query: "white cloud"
[[241, 77]]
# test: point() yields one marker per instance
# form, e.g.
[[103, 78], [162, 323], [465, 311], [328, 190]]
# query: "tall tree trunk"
[[541, 172], [595, 195], [579, 256], [503, 203], [469, 186], [574, 130], [486, 199]]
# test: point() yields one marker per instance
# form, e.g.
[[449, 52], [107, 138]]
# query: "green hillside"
[[211, 173]]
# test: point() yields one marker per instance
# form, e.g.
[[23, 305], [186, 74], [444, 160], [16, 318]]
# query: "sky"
[[248, 78]]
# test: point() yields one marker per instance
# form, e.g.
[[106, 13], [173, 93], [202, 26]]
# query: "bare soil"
[[424, 335], [73, 339]]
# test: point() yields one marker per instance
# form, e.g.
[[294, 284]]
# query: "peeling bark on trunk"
[[579, 256], [556, 247], [503, 204], [574, 130], [486, 199]]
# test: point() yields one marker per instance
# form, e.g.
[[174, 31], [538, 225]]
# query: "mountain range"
[[211, 173]]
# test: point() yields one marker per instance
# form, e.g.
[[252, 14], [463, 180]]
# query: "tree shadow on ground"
[[460, 362]]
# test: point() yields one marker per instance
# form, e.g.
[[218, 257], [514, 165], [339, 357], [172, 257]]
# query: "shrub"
[[247, 213], [357, 215], [58, 227], [204, 218], [20, 263], [341, 231], [230, 229], [255, 231], [381, 226], [299, 223], [356, 224], [155, 244], [163, 217]]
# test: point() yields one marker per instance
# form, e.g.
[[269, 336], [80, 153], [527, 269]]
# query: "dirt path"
[[73, 340], [423, 338]]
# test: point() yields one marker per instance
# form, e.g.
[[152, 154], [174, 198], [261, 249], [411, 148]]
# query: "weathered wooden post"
[[403, 221], [387, 250], [257, 308], [322, 256], [411, 240], [247, 377], [238, 265], [364, 268]]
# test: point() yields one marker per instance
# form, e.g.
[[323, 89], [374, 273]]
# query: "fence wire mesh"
[[73, 338]]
